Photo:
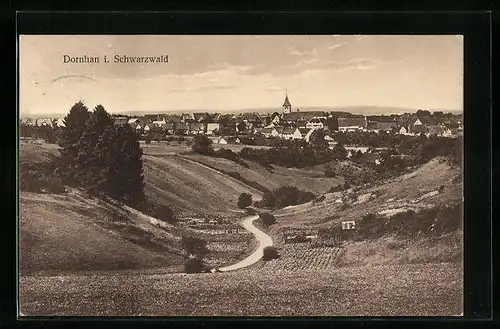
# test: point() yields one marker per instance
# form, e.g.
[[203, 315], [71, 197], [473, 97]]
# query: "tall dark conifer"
[[74, 126], [95, 148], [128, 179]]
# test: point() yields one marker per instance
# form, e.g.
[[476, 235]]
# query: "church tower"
[[287, 107]]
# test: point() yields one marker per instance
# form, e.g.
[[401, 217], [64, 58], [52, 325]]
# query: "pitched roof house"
[[169, 127], [199, 117], [315, 123], [28, 122], [304, 131], [196, 128], [307, 115], [221, 140], [181, 126], [386, 126], [352, 123], [45, 122], [153, 117], [173, 118], [270, 132], [291, 133], [160, 123], [211, 126], [418, 125], [60, 123]]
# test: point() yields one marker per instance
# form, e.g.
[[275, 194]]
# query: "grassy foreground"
[[411, 290]]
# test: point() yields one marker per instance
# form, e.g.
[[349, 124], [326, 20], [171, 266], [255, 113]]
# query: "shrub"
[[244, 200], [345, 206], [202, 145], [329, 171], [164, 213], [335, 188], [270, 253], [267, 219], [285, 196], [194, 265], [37, 177], [194, 246]]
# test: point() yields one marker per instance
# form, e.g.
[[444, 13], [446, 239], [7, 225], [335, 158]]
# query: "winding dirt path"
[[263, 239]]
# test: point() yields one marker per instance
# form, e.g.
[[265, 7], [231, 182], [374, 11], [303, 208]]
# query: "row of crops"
[[300, 257]]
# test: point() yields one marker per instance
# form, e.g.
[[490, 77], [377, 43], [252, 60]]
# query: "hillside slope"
[[72, 232], [380, 238], [310, 179], [416, 190], [191, 188]]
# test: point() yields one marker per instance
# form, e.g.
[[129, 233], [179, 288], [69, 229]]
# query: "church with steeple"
[[287, 107]]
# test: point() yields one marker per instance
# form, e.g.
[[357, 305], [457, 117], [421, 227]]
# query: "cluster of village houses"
[[290, 124]]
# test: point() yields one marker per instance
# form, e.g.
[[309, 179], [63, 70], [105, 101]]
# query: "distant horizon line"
[[255, 109]]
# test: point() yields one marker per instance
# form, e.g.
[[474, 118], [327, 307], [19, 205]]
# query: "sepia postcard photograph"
[[240, 175]]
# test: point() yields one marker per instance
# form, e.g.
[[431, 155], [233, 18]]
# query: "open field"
[[423, 289]]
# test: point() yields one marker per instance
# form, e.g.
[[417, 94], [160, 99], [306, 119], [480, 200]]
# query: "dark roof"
[[250, 116], [153, 117], [379, 118], [418, 129], [266, 130], [304, 131], [173, 118], [354, 121], [426, 120], [181, 125], [200, 116], [227, 116], [435, 130], [294, 116], [289, 130], [316, 120], [386, 125], [195, 125]]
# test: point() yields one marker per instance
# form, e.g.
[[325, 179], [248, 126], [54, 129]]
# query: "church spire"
[[287, 107]]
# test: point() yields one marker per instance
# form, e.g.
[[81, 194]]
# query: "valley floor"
[[392, 290]]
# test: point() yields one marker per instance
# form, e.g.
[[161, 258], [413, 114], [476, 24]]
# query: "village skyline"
[[356, 110]]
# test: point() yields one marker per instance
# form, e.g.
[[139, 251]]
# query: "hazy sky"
[[239, 72]]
